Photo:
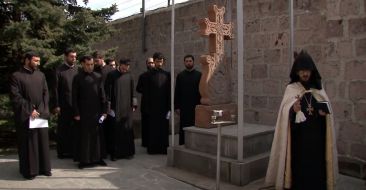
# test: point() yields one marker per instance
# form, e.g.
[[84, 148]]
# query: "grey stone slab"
[[232, 171], [200, 163], [257, 144], [257, 139], [207, 143], [203, 182], [232, 130], [134, 174]]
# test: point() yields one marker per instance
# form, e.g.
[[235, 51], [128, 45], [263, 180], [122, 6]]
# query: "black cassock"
[[158, 105], [308, 148], [187, 96], [62, 97], [142, 88], [104, 71], [109, 121], [119, 88], [28, 91], [89, 103]]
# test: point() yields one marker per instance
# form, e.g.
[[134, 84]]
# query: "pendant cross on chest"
[[310, 110]]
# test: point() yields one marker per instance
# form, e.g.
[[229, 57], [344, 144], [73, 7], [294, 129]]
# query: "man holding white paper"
[[29, 96]]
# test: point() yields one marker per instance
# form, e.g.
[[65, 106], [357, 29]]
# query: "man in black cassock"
[[111, 63], [303, 154], [158, 107], [62, 101], [142, 89], [89, 105], [29, 97], [187, 95], [104, 68], [119, 87]]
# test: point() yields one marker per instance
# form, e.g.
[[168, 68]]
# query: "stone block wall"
[[332, 31]]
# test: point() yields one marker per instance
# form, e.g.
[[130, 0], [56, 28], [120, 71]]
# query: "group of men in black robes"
[[154, 86], [101, 117], [94, 105]]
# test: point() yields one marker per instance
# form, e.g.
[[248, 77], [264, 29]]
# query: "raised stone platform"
[[198, 155]]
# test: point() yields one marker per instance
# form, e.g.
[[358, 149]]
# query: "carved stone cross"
[[215, 84], [217, 31]]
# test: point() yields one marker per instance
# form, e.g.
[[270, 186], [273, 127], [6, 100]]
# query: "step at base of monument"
[[232, 171], [257, 139]]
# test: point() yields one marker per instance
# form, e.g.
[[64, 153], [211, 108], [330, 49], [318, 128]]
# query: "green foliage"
[[110, 53], [5, 107], [6, 114], [49, 27]]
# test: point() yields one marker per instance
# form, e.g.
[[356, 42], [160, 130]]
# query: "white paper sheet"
[[37, 123], [111, 113]]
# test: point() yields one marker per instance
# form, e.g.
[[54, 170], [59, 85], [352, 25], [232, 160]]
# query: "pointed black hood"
[[303, 61]]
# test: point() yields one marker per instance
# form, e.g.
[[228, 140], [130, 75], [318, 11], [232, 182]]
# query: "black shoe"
[[46, 174], [63, 156], [82, 165], [102, 163], [60, 156], [29, 177], [127, 157]]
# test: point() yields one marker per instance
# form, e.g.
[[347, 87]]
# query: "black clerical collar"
[[119, 70], [28, 69], [307, 85], [87, 73], [70, 66]]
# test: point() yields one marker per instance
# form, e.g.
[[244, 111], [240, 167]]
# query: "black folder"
[[324, 106]]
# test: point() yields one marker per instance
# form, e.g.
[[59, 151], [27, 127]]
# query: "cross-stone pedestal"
[[204, 112], [198, 155]]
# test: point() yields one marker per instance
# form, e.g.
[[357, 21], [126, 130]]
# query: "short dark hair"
[[124, 61], [85, 58], [187, 56], [68, 51], [31, 54], [97, 55], [109, 61], [158, 55]]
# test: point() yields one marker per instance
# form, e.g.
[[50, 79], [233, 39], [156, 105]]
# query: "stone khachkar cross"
[[215, 81]]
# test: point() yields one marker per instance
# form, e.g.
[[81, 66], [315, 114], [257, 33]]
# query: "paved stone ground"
[[145, 172], [137, 173]]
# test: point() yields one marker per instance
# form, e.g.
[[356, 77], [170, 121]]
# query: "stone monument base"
[[198, 154], [203, 114]]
